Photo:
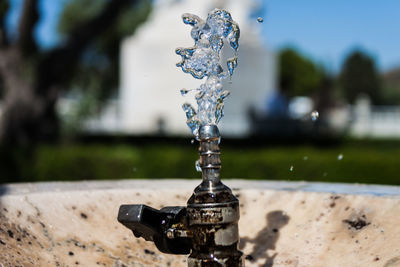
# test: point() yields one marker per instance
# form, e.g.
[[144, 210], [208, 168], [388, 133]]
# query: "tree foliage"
[[360, 76], [298, 76], [87, 57], [391, 87], [98, 70]]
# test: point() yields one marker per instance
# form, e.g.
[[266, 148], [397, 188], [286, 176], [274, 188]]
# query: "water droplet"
[[314, 115], [192, 141], [189, 110], [305, 158], [197, 165], [184, 91], [219, 112], [291, 168], [260, 20], [232, 64], [340, 157], [325, 174], [134, 169]]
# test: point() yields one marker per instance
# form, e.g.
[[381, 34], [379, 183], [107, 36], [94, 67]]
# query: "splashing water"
[[184, 91], [197, 166], [204, 60]]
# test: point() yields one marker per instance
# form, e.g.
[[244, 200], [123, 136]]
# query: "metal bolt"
[[170, 233]]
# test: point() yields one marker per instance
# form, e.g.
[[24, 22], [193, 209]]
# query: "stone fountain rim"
[[188, 184]]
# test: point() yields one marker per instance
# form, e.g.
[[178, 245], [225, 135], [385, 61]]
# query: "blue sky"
[[325, 30], [46, 30]]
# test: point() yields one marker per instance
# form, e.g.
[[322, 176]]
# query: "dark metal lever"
[[157, 226]]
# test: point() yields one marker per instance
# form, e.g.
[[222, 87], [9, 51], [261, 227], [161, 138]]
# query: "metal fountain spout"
[[207, 228]]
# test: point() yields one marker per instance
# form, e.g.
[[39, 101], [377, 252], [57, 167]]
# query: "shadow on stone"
[[266, 238]]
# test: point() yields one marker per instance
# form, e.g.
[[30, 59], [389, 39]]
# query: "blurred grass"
[[363, 162]]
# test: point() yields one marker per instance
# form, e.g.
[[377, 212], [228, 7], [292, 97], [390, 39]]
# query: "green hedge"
[[362, 162]]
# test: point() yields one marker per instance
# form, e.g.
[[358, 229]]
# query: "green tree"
[[360, 76], [298, 76], [391, 87], [85, 58], [32, 79], [98, 70], [324, 97]]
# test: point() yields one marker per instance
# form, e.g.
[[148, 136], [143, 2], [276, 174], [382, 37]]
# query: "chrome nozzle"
[[210, 156]]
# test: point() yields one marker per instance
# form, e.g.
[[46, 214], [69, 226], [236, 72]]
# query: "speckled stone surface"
[[282, 224]]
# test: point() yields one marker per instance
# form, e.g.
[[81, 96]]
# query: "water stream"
[[204, 60]]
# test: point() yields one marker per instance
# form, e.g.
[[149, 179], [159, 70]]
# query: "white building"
[[150, 82], [368, 121]]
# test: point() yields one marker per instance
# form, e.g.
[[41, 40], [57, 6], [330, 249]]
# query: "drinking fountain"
[[207, 228]]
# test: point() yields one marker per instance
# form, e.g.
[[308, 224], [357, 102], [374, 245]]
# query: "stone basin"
[[282, 223]]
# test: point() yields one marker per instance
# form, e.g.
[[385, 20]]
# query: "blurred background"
[[89, 90]]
